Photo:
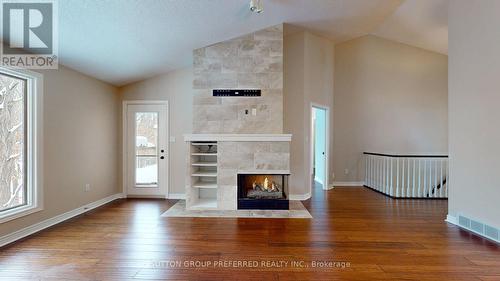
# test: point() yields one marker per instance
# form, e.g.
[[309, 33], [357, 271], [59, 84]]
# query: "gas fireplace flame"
[[266, 185]]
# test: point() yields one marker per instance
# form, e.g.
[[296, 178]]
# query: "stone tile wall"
[[235, 157], [253, 61]]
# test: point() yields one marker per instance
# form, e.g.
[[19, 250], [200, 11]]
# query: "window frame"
[[34, 144]]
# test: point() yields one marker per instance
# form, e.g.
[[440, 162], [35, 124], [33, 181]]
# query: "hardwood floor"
[[380, 238]]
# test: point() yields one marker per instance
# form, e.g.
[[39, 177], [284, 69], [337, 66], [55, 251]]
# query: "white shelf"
[[204, 174], [204, 143], [205, 185], [202, 185], [197, 138], [205, 203], [205, 164]]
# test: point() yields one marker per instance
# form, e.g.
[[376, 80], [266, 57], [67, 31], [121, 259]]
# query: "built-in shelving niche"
[[202, 175]]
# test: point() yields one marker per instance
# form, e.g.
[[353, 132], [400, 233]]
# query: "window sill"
[[18, 212]]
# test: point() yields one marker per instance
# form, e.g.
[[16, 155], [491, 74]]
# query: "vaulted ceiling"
[[122, 41], [420, 23]]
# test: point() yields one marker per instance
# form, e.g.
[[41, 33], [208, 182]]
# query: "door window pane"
[[12, 142], [146, 170], [146, 148]]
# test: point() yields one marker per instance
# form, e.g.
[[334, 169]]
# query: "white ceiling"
[[122, 41], [420, 23]]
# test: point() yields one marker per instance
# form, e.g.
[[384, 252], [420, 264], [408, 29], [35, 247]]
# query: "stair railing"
[[407, 176]]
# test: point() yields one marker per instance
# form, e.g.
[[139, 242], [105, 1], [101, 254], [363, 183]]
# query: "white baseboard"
[[16, 235], [300, 197], [348, 183], [177, 196], [145, 196]]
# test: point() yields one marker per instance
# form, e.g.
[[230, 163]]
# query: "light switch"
[[254, 111]]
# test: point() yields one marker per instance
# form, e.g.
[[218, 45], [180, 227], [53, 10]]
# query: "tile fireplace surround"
[[226, 139], [234, 154]]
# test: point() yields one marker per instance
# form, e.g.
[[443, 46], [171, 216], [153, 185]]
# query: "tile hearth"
[[296, 211]]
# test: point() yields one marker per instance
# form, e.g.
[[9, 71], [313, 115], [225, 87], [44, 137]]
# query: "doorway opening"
[[320, 145]]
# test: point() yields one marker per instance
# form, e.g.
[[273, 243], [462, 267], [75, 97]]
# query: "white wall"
[[308, 78], [474, 99], [81, 144], [389, 98], [319, 89], [176, 87]]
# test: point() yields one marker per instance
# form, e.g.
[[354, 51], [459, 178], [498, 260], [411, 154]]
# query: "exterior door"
[[146, 142]]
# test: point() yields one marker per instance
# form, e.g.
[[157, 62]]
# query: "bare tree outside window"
[[12, 142]]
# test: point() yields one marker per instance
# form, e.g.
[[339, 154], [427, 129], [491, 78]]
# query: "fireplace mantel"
[[238, 137]]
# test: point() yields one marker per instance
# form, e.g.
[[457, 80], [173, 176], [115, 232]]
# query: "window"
[[146, 149], [20, 140]]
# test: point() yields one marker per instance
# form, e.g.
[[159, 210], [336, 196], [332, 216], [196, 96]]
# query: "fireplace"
[[263, 191]]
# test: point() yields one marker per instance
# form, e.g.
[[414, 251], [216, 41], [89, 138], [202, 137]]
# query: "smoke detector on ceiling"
[[256, 6]]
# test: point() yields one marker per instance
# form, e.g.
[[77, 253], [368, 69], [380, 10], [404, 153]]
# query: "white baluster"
[[425, 177], [430, 178], [413, 185], [441, 186], [402, 177], [366, 169], [370, 171], [380, 175], [408, 179], [383, 175], [387, 175], [372, 165], [397, 176], [435, 177], [392, 176], [373, 171], [386, 169]]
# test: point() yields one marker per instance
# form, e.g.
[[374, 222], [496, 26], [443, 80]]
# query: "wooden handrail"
[[405, 155]]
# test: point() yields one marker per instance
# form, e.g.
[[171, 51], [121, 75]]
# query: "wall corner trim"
[[34, 228], [451, 219], [300, 197]]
